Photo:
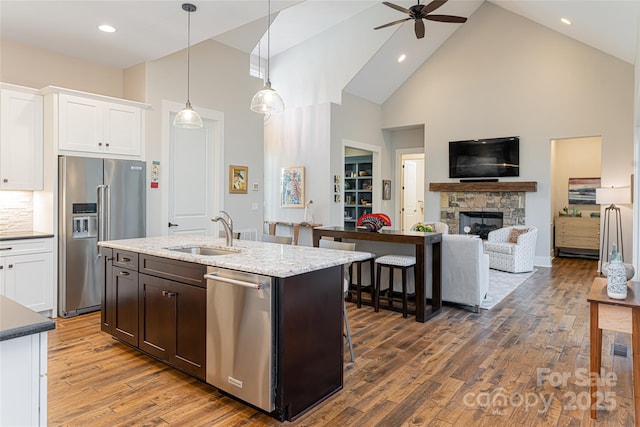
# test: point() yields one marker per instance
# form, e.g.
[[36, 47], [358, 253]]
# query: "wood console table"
[[428, 260], [296, 228], [614, 315]]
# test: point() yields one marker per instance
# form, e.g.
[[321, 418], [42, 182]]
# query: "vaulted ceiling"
[[147, 30]]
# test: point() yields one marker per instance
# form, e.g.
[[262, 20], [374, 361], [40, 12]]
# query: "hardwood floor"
[[522, 363]]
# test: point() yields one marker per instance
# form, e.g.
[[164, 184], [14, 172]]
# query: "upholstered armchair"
[[512, 249]]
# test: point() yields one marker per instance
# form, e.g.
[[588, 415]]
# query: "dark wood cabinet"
[[120, 304], [158, 305], [173, 323]]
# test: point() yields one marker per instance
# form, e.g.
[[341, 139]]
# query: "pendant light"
[[187, 117], [267, 100]]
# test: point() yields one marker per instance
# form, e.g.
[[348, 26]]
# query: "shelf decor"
[[292, 187], [238, 177]]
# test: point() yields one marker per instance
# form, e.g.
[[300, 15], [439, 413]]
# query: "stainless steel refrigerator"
[[99, 199]]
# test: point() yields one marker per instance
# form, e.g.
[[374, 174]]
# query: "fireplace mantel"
[[522, 186]]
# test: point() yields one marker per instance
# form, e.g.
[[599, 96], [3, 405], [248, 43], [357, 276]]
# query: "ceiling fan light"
[[267, 100], [187, 118]]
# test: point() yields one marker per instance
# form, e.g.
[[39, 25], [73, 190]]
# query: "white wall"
[[502, 75]]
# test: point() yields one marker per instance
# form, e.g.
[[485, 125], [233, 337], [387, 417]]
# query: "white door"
[[412, 190], [191, 186]]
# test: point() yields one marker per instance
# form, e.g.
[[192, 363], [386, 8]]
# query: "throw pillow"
[[515, 233]]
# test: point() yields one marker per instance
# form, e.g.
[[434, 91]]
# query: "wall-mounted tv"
[[484, 158]]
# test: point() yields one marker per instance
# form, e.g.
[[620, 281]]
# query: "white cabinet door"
[[122, 133], [23, 381], [26, 273], [96, 126], [21, 140], [80, 124]]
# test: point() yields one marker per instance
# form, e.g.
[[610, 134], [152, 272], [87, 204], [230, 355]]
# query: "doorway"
[[411, 190]]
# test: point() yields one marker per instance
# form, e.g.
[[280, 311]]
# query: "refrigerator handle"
[[103, 212]]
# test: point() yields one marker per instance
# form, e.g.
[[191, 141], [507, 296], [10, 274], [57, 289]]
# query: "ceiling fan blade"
[[446, 18], [428, 8], [392, 23], [396, 7], [419, 28]]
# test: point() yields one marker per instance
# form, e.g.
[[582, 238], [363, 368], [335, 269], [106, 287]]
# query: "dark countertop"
[[16, 320], [20, 235]]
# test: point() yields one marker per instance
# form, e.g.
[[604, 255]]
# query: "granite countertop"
[[16, 320], [269, 259], [21, 235]]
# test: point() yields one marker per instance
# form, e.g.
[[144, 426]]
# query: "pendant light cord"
[[188, 56], [269, 41]]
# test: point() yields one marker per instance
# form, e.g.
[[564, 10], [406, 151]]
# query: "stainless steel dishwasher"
[[240, 336]]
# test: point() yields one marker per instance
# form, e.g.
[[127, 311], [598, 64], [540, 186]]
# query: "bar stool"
[[330, 244], [393, 262], [357, 279]]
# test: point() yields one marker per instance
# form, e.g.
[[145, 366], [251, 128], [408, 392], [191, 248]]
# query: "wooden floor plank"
[[450, 371]]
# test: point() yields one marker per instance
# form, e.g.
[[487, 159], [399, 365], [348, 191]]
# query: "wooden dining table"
[[428, 259]]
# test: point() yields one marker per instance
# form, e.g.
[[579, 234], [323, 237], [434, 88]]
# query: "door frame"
[[398, 202], [169, 107]]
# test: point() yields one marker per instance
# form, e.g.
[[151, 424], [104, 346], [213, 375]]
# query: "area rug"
[[502, 284]]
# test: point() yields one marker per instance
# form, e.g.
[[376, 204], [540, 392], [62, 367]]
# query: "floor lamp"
[[611, 196]]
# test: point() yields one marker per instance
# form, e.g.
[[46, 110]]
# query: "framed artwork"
[[582, 191], [386, 189], [292, 187], [238, 178]]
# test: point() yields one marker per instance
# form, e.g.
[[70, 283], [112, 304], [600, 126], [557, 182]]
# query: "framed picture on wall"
[[238, 178], [292, 187], [582, 191], [386, 189]]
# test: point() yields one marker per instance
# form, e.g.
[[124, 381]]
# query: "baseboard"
[[542, 261]]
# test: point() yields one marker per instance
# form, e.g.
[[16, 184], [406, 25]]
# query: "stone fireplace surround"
[[510, 204], [505, 197]]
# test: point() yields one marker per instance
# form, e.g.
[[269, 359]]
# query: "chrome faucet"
[[227, 224]]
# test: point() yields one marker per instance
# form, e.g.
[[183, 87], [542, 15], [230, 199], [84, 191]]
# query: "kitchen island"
[[280, 332]]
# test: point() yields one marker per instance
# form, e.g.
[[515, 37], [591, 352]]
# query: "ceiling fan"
[[418, 12]]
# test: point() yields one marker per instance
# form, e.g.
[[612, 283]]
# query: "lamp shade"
[[267, 101], [613, 195], [187, 118]]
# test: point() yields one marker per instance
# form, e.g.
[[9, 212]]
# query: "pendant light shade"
[[267, 100], [187, 118]]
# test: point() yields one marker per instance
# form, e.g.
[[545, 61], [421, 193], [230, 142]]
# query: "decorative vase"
[[616, 280]]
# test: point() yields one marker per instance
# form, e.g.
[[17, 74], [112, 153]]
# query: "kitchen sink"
[[202, 250]]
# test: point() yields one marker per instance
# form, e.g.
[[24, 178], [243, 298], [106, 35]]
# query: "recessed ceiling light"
[[106, 28], [565, 21], [402, 57]]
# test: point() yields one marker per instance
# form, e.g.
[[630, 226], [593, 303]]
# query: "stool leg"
[[376, 291], [390, 290], [346, 324], [404, 292], [359, 286]]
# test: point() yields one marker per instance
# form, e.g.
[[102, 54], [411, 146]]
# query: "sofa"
[[512, 249], [465, 271]]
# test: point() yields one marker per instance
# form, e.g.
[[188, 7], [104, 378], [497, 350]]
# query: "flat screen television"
[[484, 158]]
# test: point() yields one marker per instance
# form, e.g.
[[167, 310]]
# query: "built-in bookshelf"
[[358, 186]]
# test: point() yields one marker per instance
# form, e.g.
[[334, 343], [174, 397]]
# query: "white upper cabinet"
[[21, 139], [97, 126]]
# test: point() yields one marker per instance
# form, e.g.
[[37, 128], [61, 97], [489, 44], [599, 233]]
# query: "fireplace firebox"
[[480, 223]]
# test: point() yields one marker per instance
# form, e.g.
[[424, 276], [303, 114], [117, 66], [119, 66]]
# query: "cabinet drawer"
[[125, 259], [26, 246], [180, 271]]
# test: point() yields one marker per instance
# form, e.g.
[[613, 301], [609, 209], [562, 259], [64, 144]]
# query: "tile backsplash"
[[16, 211]]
